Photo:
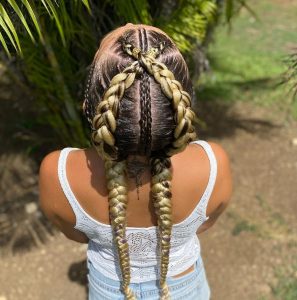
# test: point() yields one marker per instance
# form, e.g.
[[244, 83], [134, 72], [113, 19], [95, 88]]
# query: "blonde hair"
[[104, 126]]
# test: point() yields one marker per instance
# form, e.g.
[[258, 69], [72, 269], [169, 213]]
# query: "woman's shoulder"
[[218, 150], [219, 157], [198, 158], [52, 199], [77, 164], [74, 164], [222, 190], [49, 163], [223, 187], [200, 152]]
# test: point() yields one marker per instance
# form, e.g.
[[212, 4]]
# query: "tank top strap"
[[212, 176], [62, 174]]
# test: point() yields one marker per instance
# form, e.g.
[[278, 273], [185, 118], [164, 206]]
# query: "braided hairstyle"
[[138, 102]]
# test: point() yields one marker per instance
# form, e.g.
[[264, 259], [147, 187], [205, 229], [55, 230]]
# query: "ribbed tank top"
[[143, 241]]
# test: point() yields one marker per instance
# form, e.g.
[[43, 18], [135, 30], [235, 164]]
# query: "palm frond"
[[51, 9], [189, 23], [22, 18], [2, 40], [209, 10], [34, 19], [86, 4], [9, 29]]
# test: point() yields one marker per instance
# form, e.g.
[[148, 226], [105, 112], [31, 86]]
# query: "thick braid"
[[104, 122], [104, 126], [117, 197], [181, 100], [183, 134], [161, 196]]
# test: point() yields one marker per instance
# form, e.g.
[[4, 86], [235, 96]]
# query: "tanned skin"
[[85, 173]]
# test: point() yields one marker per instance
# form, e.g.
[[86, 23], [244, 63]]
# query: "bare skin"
[[85, 172]]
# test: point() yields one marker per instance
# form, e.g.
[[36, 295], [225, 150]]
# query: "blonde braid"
[[104, 124], [117, 197], [161, 196], [183, 134], [184, 131]]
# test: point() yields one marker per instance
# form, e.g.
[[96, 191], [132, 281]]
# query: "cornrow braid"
[[145, 118], [87, 106]]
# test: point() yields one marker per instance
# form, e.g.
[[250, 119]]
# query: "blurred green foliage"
[[249, 63], [54, 42]]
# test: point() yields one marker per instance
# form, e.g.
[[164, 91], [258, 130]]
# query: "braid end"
[[165, 292], [129, 293]]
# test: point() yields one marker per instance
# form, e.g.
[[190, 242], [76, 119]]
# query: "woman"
[[138, 104]]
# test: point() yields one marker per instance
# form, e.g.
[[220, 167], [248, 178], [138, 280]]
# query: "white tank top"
[[143, 249]]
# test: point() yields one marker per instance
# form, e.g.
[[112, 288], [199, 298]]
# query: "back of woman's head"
[[146, 118], [138, 102]]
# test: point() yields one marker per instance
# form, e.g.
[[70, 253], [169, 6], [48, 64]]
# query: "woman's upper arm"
[[48, 176], [222, 191], [223, 187], [52, 199]]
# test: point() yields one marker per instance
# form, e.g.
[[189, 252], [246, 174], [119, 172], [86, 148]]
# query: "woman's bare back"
[[85, 173]]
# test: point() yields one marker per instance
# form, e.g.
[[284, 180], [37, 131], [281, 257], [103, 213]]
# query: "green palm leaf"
[[190, 22], [22, 18], [31, 13], [2, 40], [86, 4], [7, 25], [7, 31], [50, 7]]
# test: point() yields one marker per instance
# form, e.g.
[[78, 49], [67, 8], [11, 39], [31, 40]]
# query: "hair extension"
[[117, 186], [104, 124], [161, 196]]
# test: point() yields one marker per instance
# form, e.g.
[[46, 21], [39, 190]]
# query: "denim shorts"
[[191, 286]]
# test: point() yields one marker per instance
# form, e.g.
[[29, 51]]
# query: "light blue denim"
[[192, 286]]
